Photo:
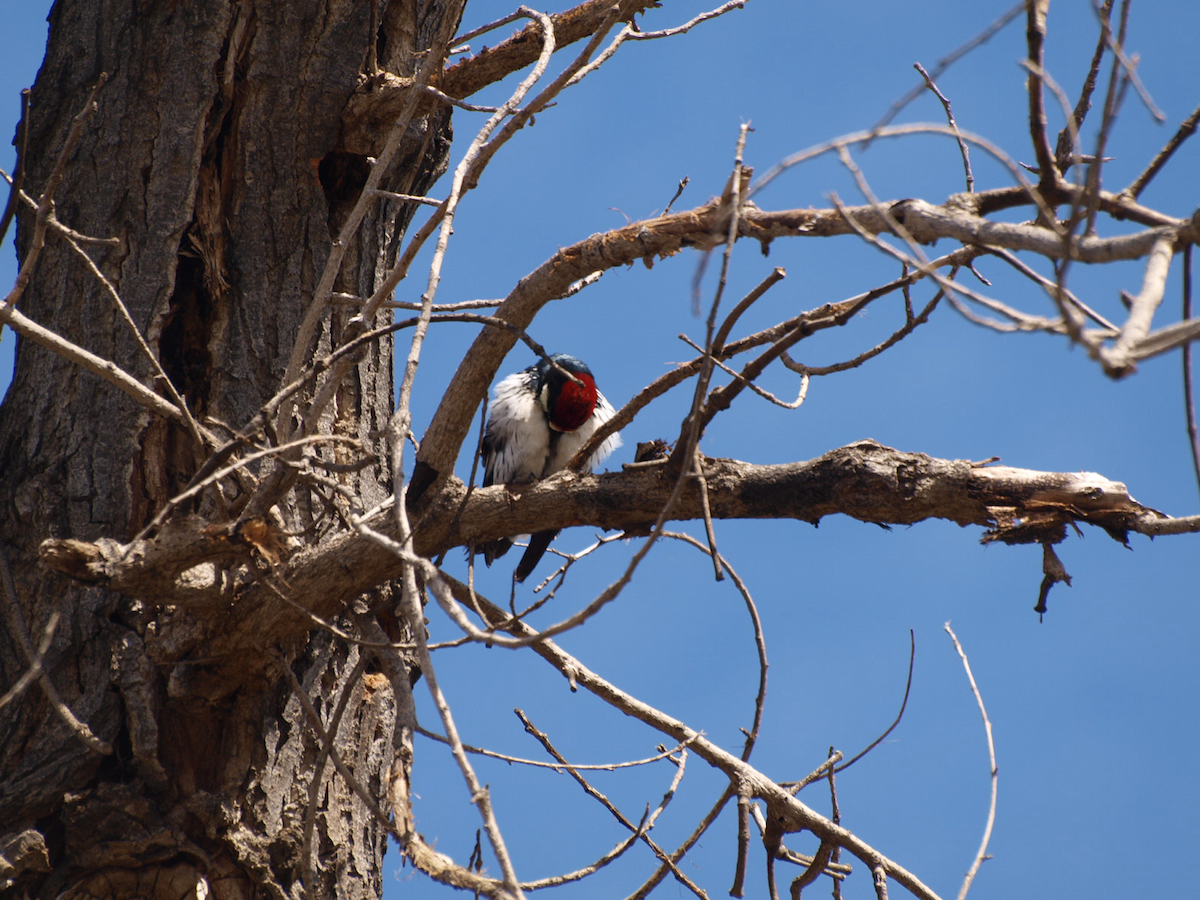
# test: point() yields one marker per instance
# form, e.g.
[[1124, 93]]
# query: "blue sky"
[[1093, 708]]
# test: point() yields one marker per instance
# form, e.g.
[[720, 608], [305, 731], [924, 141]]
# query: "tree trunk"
[[214, 155]]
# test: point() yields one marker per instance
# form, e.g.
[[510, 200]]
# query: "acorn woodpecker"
[[539, 419]]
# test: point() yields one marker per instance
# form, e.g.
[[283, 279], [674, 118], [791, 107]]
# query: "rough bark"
[[214, 155], [864, 480]]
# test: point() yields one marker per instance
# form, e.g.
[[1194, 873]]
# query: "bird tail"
[[533, 553], [493, 550]]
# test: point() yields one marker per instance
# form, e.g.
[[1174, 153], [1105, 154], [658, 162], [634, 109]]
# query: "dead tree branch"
[[194, 564]]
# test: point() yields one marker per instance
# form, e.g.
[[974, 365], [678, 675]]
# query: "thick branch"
[[185, 565], [928, 223], [379, 100], [1142, 309], [703, 228], [491, 64]]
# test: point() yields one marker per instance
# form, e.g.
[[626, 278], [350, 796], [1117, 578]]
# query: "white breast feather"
[[570, 442], [518, 434]]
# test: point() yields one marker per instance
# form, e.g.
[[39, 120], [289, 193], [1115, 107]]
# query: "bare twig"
[[592, 868], [202, 437], [1117, 44], [406, 198], [1189, 399], [90, 362], [660, 386], [833, 869], [820, 862], [631, 33], [962, 145], [306, 333], [683, 455], [951, 288], [784, 807], [777, 275], [18, 629], [351, 300], [912, 658], [461, 104], [1067, 145], [688, 25], [1054, 290], [702, 826], [17, 180], [1186, 130], [709, 532], [35, 669], [1028, 192], [981, 854], [461, 39], [738, 889], [557, 766], [911, 323], [640, 831], [949, 59], [1035, 38], [760, 640], [46, 200], [1114, 94], [350, 686], [761, 391], [835, 814], [683, 183], [325, 739], [412, 611], [197, 486]]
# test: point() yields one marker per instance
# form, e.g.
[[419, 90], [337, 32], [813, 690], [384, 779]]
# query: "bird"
[[539, 419]]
